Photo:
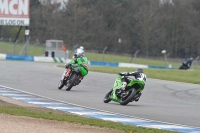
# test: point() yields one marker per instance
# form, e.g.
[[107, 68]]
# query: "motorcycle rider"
[[187, 63], [138, 74], [82, 62]]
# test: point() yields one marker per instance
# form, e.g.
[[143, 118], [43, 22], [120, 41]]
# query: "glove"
[[123, 73], [75, 65], [67, 65]]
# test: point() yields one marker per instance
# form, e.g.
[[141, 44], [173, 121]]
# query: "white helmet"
[[81, 47]]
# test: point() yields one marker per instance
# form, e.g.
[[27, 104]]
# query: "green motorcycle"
[[71, 76], [129, 94]]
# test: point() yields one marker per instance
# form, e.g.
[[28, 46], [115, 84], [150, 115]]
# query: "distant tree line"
[[146, 25]]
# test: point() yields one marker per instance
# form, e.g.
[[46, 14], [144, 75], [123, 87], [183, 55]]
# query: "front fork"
[[66, 73]]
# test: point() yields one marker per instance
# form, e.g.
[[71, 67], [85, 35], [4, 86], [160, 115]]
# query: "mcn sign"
[[14, 12]]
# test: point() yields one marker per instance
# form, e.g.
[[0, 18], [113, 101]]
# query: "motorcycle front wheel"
[[60, 85], [129, 97], [71, 81], [107, 97]]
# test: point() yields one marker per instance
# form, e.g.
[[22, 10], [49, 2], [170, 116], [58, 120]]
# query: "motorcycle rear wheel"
[[107, 97], [71, 82], [130, 96]]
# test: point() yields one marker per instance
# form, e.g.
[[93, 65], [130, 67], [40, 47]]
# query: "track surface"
[[165, 101]]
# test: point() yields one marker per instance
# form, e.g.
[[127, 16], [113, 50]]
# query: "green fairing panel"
[[114, 97], [139, 84], [117, 85], [118, 82]]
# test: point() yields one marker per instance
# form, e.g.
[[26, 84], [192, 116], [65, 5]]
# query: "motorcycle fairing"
[[117, 85], [137, 84]]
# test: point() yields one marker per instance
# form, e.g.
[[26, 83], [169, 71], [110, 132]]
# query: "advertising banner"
[[14, 12]]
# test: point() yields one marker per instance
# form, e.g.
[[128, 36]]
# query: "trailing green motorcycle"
[[130, 94]]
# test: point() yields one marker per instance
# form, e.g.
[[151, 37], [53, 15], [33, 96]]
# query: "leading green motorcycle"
[[130, 94], [72, 76]]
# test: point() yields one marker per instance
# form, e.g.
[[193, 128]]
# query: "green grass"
[[21, 111], [187, 76], [8, 48], [33, 50], [128, 59]]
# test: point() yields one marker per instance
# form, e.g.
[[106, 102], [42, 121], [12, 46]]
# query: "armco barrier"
[[62, 60], [162, 67], [19, 57], [43, 59], [157, 67], [33, 58], [95, 63], [50, 59], [2, 56], [132, 65]]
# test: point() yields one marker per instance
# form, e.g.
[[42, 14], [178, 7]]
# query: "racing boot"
[[138, 96], [123, 85], [79, 80]]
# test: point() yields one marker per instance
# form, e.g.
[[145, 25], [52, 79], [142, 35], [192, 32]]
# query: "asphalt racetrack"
[[166, 101]]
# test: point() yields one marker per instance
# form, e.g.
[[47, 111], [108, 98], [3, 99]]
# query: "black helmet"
[[78, 55], [140, 70], [75, 55]]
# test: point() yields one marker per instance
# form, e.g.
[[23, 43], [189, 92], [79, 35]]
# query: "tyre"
[[71, 81], [181, 67], [60, 85], [107, 97], [129, 97]]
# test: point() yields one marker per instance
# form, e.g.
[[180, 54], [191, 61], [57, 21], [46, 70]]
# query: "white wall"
[[53, 1]]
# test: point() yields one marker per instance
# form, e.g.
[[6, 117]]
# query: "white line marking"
[[4, 91], [90, 113], [77, 108], [165, 126], [123, 119], [24, 98], [43, 103], [14, 95]]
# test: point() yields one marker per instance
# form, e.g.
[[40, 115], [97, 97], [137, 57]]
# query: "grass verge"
[[10, 48], [187, 76], [35, 50], [65, 117]]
